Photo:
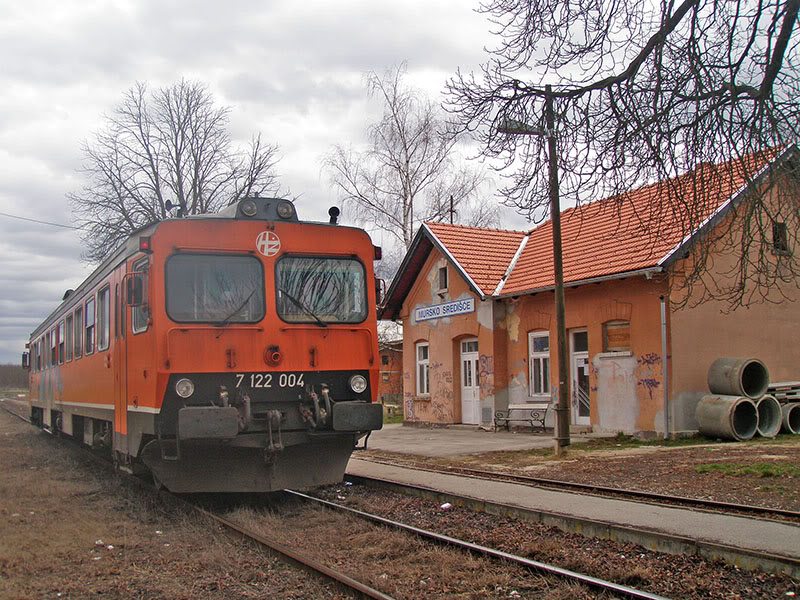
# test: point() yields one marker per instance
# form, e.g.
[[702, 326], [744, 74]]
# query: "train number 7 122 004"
[[268, 380]]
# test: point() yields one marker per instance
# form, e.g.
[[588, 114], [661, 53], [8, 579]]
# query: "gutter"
[[647, 272]]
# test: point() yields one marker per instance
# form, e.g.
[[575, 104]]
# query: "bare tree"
[[411, 172], [162, 149], [645, 92]]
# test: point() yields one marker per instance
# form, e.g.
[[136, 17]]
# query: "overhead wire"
[[38, 221]]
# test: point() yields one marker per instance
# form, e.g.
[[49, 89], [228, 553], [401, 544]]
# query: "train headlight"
[[285, 210], [249, 208], [358, 383], [184, 388]]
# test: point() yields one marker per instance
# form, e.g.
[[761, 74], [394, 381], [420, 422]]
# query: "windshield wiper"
[[227, 319], [303, 307]]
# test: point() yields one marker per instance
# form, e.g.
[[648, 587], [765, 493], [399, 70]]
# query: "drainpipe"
[[664, 365]]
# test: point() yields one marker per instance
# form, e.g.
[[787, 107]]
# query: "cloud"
[[292, 71]]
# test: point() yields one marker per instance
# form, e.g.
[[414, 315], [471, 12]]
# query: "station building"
[[479, 325]]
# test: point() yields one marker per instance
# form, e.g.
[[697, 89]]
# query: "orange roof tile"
[[484, 254], [642, 229], [631, 232]]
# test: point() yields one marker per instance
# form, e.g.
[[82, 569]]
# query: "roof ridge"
[[474, 228]]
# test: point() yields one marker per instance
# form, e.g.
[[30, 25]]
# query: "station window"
[[89, 330], [78, 332], [68, 340], [423, 370], [61, 344], [780, 238], [539, 359], [617, 336], [103, 318], [385, 359], [443, 279], [42, 362]]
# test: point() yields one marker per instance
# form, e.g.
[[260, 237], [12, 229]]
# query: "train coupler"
[[274, 428]]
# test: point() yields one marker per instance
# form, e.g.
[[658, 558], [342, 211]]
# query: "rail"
[[594, 582]]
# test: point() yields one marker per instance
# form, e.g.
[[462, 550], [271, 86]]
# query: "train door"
[[140, 376], [120, 368]]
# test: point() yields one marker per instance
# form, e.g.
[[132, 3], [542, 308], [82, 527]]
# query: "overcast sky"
[[293, 71]]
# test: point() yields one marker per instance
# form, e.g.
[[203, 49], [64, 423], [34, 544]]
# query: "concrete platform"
[[781, 539], [460, 439]]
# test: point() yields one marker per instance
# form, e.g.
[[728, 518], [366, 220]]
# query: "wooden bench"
[[530, 412]]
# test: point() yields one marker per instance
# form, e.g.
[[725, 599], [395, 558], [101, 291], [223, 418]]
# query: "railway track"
[[761, 512], [361, 590], [593, 582], [344, 582], [352, 586], [358, 589]]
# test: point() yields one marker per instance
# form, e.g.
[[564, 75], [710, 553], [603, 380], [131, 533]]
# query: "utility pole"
[[561, 438], [562, 409]]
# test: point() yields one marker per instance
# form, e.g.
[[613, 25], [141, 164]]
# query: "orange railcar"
[[227, 352]]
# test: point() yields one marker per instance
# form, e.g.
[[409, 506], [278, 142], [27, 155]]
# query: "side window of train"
[[53, 348], [103, 318], [78, 332], [68, 339], [89, 326], [140, 313], [61, 344]]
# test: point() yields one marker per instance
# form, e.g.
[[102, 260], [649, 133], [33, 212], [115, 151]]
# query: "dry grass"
[[69, 529]]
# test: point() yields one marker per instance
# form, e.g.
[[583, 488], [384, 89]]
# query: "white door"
[[470, 385], [579, 361]]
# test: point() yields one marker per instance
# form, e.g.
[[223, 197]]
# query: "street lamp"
[[512, 127]]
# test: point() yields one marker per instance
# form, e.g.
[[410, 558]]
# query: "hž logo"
[[268, 243]]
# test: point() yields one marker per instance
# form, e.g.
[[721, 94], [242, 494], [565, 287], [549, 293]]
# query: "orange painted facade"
[[390, 384], [625, 387]]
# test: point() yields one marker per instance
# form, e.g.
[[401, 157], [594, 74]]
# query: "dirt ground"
[[68, 529], [760, 472]]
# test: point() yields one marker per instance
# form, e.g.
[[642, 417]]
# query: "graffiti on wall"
[[486, 375], [648, 373]]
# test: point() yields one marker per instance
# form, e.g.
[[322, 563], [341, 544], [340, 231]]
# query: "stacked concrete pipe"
[[769, 416], [730, 411], [790, 418]]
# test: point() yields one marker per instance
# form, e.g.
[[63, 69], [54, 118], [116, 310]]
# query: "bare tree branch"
[[411, 170], [171, 145], [647, 92]]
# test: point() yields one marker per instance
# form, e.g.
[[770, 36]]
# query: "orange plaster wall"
[[390, 383], [443, 335], [626, 391], [767, 330]]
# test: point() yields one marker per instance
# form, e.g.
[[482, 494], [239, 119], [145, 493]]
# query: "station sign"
[[448, 309]]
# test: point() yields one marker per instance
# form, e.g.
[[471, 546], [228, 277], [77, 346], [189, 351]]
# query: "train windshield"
[[214, 289], [321, 290]]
